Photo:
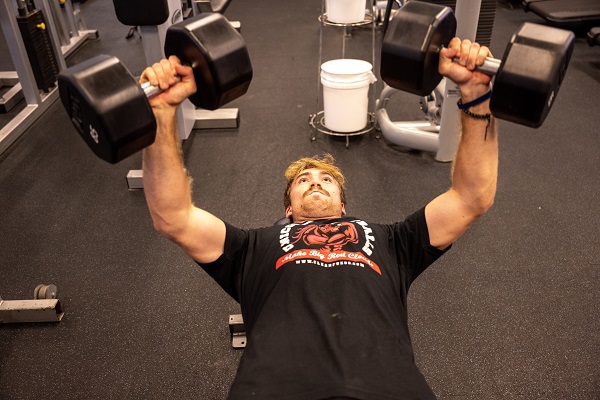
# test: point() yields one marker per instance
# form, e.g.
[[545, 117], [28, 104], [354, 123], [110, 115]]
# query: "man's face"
[[314, 194]]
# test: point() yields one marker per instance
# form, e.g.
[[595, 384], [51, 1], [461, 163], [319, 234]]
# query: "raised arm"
[[475, 169], [167, 186]]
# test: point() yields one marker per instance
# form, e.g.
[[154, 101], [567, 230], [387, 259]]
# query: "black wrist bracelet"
[[477, 116], [487, 117]]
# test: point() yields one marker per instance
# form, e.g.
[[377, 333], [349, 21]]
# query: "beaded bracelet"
[[464, 108]]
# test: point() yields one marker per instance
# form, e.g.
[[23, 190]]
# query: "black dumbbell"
[[526, 80], [110, 110]]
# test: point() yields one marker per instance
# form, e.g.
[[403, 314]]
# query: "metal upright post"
[[467, 17]]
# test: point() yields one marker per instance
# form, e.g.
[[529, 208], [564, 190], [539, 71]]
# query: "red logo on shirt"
[[324, 246], [328, 237]]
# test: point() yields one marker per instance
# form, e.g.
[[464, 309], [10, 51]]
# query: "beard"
[[318, 205]]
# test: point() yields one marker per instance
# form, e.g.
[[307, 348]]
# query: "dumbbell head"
[[411, 45], [107, 107], [530, 74], [218, 55]]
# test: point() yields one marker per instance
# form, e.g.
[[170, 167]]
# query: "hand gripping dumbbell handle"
[[489, 67], [152, 91]]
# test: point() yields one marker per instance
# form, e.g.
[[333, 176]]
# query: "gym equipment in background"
[[44, 307], [66, 29], [566, 14], [437, 133]]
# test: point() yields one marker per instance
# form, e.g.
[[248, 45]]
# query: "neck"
[[302, 218]]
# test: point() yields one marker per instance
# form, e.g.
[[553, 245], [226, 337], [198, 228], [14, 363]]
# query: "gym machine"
[[44, 307], [437, 132], [65, 31]]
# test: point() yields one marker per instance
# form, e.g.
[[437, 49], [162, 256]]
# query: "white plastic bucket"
[[345, 11], [346, 94]]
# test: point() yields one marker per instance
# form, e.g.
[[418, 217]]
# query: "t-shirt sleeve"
[[226, 270], [413, 246]]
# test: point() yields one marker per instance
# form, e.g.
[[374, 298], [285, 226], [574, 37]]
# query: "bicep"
[[203, 237], [448, 217]]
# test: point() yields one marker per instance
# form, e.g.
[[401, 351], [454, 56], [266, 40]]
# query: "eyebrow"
[[321, 173]]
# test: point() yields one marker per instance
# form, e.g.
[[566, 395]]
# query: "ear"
[[288, 212], [343, 209]]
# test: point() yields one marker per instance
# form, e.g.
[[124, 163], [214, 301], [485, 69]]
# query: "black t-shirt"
[[324, 305]]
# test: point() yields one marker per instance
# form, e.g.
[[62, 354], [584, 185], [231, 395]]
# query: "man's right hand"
[[472, 83], [164, 75]]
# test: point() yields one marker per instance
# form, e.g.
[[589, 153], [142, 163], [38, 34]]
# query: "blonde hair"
[[325, 163]]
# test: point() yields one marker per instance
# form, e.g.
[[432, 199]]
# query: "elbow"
[[165, 228], [487, 206], [160, 227], [483, 205]]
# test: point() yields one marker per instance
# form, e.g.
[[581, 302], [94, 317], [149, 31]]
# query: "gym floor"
[[511, 312]]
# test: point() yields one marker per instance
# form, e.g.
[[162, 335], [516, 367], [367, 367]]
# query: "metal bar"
[[9, 78], [11, 98], [59, 23], [467, 17], [217, 119], [490, 66], [19, 311], [69, 19]]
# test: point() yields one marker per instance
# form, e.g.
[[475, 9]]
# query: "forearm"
[[475, 169], [166, 182]]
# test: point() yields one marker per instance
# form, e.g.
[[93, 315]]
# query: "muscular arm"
[[475, 169], [167, 186]]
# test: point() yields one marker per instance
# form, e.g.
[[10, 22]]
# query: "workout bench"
[[566, 14]]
